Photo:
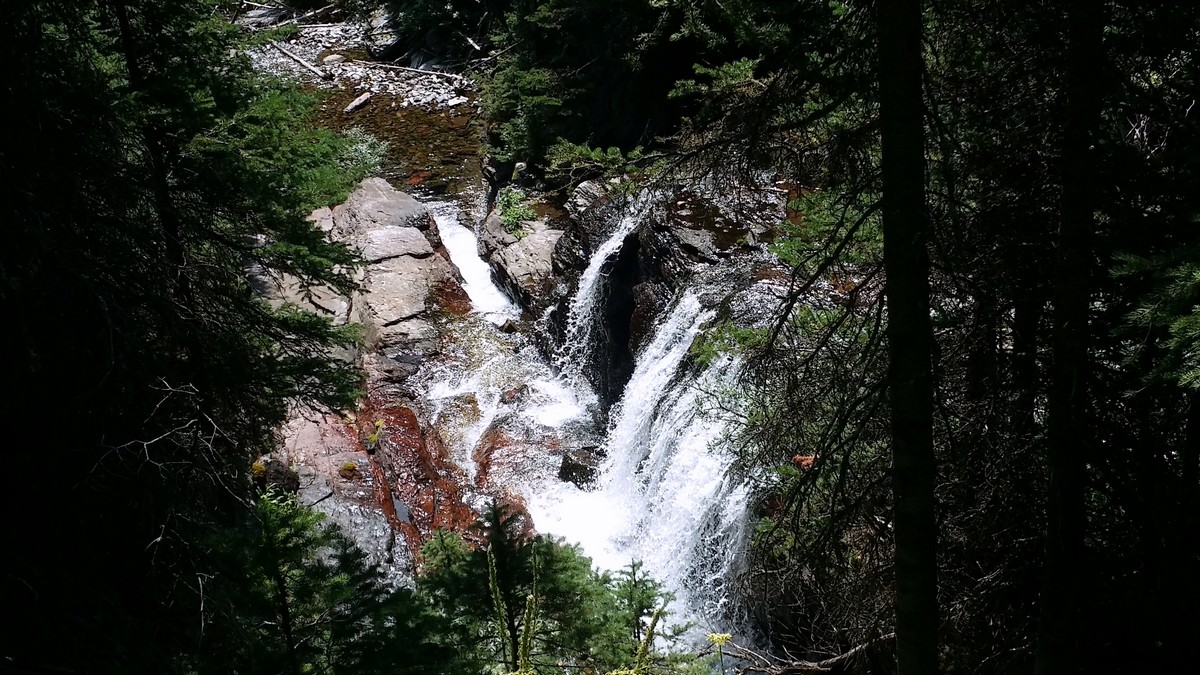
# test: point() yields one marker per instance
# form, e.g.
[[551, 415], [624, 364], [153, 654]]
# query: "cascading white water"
[[465, 389], [663, 496], [460, 242], [571, 358]]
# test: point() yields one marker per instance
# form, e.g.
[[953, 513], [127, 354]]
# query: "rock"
[[322, 218], [366, 525], [510, 326], [270, 472], [415, 334], [376, 204], [393, 370], [585, 197], [396, 237], [492, 236], [526, 269], [649, 299], [396, 293], [515, 394], [579, 466], [333, 59], [698, 245], [394, 241], [457, 101]]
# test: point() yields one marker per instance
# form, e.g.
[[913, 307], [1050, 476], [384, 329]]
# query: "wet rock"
[[323, 447], [273, 473], [585, 198], [579, 466], [492, 236], [364, 524], [649, 300], [393, 370], [526, 269], [568, 256], [510, 326], [451, 298], [513, 395]]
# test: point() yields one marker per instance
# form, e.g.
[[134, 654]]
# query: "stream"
[[507, 412]]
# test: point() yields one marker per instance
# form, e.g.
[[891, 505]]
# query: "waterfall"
[[486, 297], [663, 496], [582, 314]]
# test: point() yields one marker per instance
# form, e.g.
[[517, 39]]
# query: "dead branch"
[[298, 19], [308, 66], [760, 663], [452, 76]]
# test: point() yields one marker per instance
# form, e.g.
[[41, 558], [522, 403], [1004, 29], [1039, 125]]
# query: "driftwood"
[[308, 66], [452, 76], [358, 103], [767, 665], [298, 19]]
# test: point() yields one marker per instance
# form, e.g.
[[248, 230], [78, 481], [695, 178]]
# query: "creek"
[[507, 412]]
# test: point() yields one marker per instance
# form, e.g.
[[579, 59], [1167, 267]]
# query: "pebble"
[[412, 88]]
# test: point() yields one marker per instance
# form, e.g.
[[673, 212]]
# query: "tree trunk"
[[1057, 648], [909, 333]]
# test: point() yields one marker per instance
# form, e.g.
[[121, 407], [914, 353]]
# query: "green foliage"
[[726, 339], [294, 595], [514, 210], [844, 225], [146, 172], [583, 619], [578, 160], [723, 78], [363, 154]]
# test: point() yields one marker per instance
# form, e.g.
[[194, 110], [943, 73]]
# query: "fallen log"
[[314, 13], [452, 76], [358, 103], [308, 66]]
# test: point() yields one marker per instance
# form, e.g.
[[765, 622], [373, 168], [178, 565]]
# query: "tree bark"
[[1057, 647], [909, 333]]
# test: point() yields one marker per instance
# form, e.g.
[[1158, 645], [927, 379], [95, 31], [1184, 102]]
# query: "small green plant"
[[373, 439], [361, 153], [348, 470], [720, 640], [514, 210]]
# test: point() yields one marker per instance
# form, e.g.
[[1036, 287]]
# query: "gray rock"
[[413, 333], [333, 58], [526, 268], [586, 196], [492, 236], [376, 204], [395, 294], [394, 241], [366, 526], [699, 245]]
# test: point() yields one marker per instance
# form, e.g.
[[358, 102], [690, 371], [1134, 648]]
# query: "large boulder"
[[492, 236], [523, 265], [398, 239], [526, 268], [376, 205]]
